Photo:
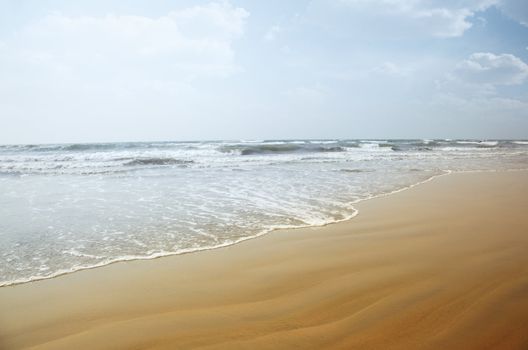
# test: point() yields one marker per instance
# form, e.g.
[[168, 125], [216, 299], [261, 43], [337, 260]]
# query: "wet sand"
[[443, 265]]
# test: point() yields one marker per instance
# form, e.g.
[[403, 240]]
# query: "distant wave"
[[107, 146], [67, 165], [355, 170], [158, 161], [279, 148], [268, 146], [10, 173], [94, 146], [431, 145], [349, 144]]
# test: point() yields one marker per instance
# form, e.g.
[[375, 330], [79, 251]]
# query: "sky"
[[115, 70]]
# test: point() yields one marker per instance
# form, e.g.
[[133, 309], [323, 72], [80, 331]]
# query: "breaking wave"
[[245, 150]]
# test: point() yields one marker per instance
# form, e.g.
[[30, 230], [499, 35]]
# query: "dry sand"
[[443, 265]]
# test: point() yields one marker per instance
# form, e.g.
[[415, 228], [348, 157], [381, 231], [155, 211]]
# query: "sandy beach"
[[443, 265]]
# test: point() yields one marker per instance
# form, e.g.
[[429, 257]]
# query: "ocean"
[[68, 207]]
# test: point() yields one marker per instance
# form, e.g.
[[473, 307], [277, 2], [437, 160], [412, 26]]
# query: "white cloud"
[[472, 91], [117, 76], [189, 43], [405, 17], [272, 33], [490, 69]]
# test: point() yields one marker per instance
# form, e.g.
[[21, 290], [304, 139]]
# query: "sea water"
[[68, 207]]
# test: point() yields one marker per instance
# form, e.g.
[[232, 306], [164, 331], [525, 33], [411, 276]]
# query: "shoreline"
[[441, 265], [160, 255]]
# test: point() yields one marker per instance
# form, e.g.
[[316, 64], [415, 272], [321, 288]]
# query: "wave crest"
[[246, 150], [158, 161]]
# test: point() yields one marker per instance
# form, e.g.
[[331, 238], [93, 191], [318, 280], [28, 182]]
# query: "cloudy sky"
[[113, 70]]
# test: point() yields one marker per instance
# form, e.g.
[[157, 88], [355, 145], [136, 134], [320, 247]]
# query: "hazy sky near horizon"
[[110, 70]]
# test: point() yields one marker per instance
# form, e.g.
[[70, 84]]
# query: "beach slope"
[[443, 265]]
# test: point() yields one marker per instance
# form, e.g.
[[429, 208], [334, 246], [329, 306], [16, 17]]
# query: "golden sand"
[[443, 265]]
